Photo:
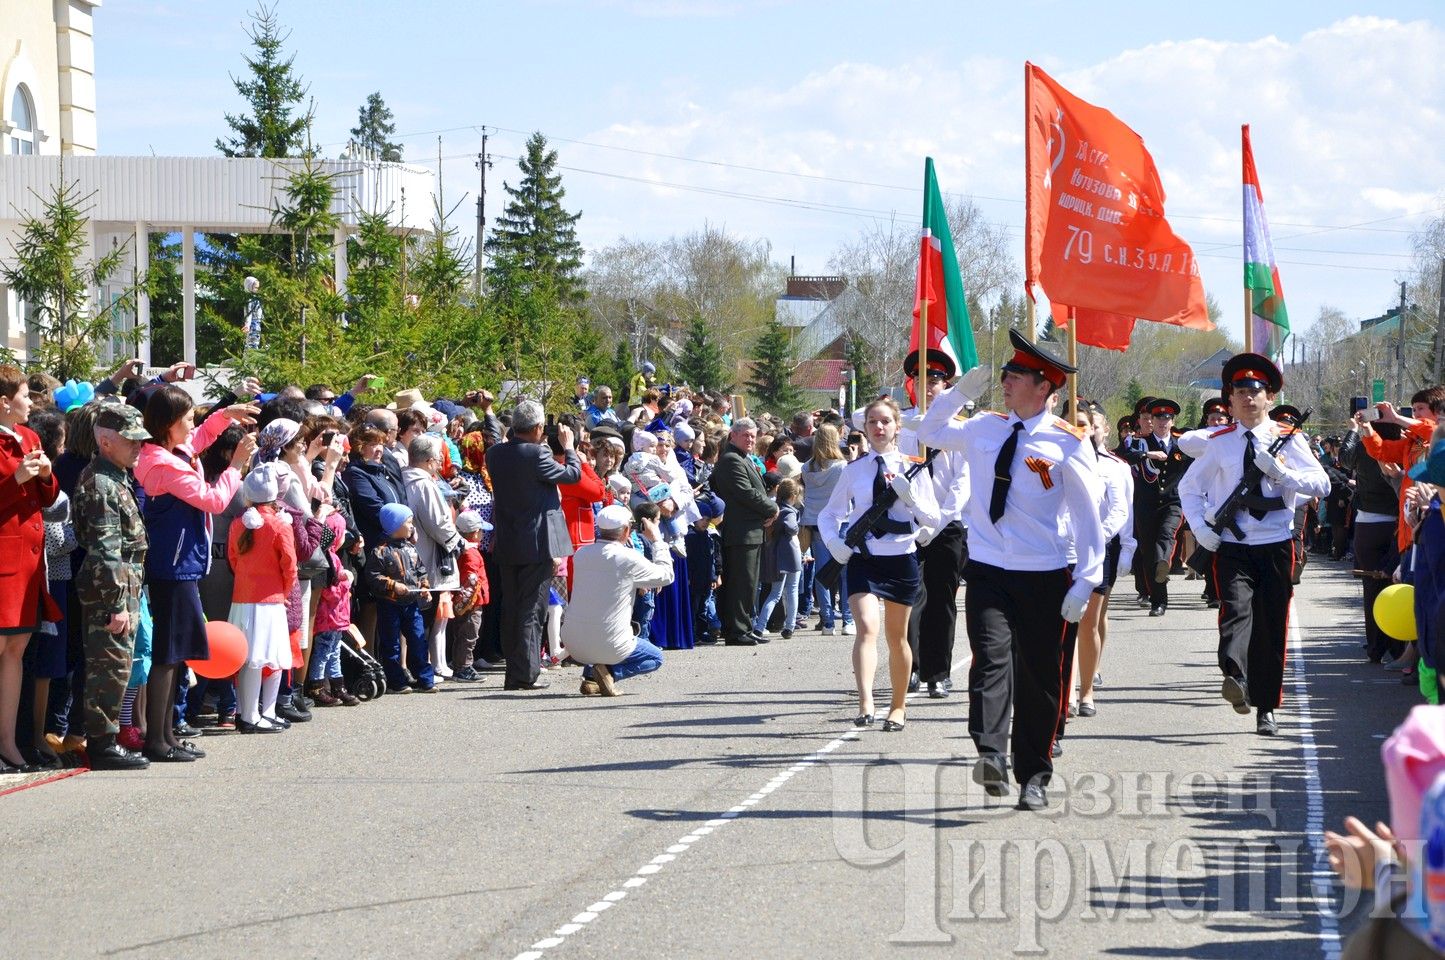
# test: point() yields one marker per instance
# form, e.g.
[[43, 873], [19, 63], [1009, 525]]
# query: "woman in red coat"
[[577, 500], [26, 487]]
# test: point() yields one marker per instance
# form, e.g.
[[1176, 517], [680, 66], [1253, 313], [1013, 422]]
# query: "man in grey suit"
[[531, 534], [749, 512]]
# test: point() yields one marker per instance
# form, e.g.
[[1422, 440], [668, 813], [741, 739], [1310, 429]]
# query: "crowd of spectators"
[[421, 540]]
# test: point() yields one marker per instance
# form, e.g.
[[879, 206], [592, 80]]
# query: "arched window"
[[22, 122]]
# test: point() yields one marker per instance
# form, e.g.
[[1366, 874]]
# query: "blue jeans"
[[826, 597], [644, 658], [642, 609], [392, 620], [325, 656], [786, 590]]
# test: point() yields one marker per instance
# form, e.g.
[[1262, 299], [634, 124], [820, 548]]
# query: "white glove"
[[903, 488], [1211, 515], [974, 383], [841, 553], [1208, 539], [1126, 560], [925, 535], [1075, 601], [1268, 465]]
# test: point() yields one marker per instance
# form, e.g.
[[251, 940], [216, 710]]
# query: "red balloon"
[[228, 651]]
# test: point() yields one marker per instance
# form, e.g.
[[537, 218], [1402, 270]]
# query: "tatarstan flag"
[[939, 293], [1268, 317]]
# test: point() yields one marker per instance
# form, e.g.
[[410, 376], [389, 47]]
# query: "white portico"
[[132, 197]]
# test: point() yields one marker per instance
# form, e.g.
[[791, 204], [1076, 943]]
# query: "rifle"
[[1225, 518], [829, 573]]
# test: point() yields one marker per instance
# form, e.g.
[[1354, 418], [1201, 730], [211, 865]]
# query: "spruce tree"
[[771, 384], [535, 239], [701, 365], [51, 274], [374, 127], [274, 127], [865, 384]]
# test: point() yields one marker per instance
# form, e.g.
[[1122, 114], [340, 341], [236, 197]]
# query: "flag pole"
[[1028, 206], [1073, 362], [1244, 243]]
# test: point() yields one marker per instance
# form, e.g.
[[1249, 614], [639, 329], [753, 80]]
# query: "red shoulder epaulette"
[[1223, 430], [1063, 424], [1001, 416]]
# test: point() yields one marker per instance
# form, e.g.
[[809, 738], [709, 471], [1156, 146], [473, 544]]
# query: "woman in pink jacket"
[[177, 510]]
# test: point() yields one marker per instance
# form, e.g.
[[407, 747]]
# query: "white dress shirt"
[[1053, 479], [854, 495], [1192, 441], [1215, 473], [949, 472], [1117, 512]]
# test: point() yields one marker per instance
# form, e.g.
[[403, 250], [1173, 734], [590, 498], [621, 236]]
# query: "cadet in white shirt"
[[1117, 516], [886, 566], [1031, 479], [1215, 415], [942, 549], [1253, 571]]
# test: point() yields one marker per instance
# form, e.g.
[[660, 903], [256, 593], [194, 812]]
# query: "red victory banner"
[[1097, 237]]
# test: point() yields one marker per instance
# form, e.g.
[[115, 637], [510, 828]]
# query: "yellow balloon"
[[1395, 611]]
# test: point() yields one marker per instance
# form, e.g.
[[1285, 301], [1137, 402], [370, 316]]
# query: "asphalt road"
[[725, 807]]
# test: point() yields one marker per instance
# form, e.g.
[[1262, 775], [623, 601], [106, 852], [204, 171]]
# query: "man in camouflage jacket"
[[109, 528]]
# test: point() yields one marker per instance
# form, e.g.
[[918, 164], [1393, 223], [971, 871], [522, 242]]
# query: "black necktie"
[[1253, 472], [879, 483], [1001, 478]]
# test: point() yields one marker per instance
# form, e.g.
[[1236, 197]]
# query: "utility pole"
[[1400, 351], [484, 161]]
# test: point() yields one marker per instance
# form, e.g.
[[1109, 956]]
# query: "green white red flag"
[[940, 312], [1269, 320]]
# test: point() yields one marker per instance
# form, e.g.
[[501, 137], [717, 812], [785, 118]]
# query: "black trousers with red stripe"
[[1016, 632], [1255, 588]]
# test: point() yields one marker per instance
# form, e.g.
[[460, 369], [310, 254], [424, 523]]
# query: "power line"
[[1312, 229]]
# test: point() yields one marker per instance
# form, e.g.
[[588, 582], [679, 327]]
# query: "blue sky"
[[1343, 101]]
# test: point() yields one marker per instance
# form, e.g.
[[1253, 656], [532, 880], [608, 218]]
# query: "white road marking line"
[[644, 872], [1330, 945]]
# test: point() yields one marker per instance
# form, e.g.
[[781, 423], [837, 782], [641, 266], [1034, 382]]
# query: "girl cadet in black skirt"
[[885, 567]]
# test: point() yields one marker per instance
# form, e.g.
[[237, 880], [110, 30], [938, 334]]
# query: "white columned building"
[[48, 119]]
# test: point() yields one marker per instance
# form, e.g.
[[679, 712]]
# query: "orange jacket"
[[1403, 453]]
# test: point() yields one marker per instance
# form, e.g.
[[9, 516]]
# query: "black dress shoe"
[[1265, 726], [913, 683], [1157, 610], [168, 755], [940, 689], [1141, 601], [184, 731], [1086, 709], [115, 757], [747, 641], [1234, 690], [534, 685], [263, 727], [990, 773], [1057, 750], [759, 637], [1033, 797], [190, 747], [863, 720], [1211, 604]]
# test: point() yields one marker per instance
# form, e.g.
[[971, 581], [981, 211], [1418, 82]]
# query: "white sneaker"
[[848, 630], [831, 631]]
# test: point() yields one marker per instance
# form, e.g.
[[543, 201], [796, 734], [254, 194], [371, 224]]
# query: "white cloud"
[[1345, 124]]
